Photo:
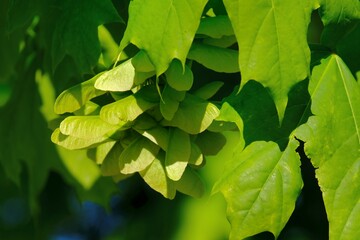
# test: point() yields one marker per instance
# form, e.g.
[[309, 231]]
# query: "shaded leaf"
[[178, 77], [215, 27], [75, 97], [190, 184], [155, 176], [142, 63], [137, 156], [163, 28], [261, 182], [215, 58], [333, 11], [202, 112], [208, 90], [264, 43], [110, 165], [158, 135], [177, 154], [170, 102], [332, 142]]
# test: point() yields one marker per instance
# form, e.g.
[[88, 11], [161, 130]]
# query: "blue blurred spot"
[[13, 212]]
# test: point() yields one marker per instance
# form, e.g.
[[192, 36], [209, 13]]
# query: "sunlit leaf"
[[121, 78], [177, 154], [110, 165], [202, 114], [163, 28], [332, 142], [99, 153], [158, 135], [142, 63], [137, 156], [273, 47], [75, 97], [73, 143], [155, 176], [129, 108], [88, 127], [215, 58], [261, 182], [196, 158]]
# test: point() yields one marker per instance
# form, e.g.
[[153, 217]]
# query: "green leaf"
[[142, 63], [88, 127], [73, 143], [196, 157], [158, 135], [215, 58], [121, 78], [155, 176], [202, 114], [179, 78], [129, 108], [215, 27], [170, 102], [208, 90], [99, 153], [137, 156], [332, 142], [261, 182], [333, 11], [177, 154], [165, 29], [76, 31], [273, 47], [110, 165], [75, 97], [190, 184]]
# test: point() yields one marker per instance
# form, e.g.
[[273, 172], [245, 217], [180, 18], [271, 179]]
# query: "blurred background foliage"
[[51, 193]]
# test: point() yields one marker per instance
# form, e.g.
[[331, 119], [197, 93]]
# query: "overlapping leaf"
[[333, 141], [261, 182], [163, 28], [272, 46], [334, 11]]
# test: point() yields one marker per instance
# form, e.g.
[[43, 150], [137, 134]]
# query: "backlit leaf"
[[121, 78], [129, 108], [332, 142], [202, 114], [142, 63], [137, 156], [155, 176], [158, 135], [215, 58], [75, 97], [273, 47], [261, 182], [163, 28], [177, 154]]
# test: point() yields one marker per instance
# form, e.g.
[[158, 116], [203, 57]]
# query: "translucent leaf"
[[177, 154], [224, 42], [75, 97], [137, 156], [179, 78], [264, 43], [99, 153], [332, 142], [333, 11], [121, 78], [165, 29], [142, 63], [202, 114], [215, 27], [129, 108], [215, 58], [73, 143], [190, 184], [196, 157], [261, 182], [88, 127], [155, 176], [170, 102], [110, 165], [158, 135], [208, 90]]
